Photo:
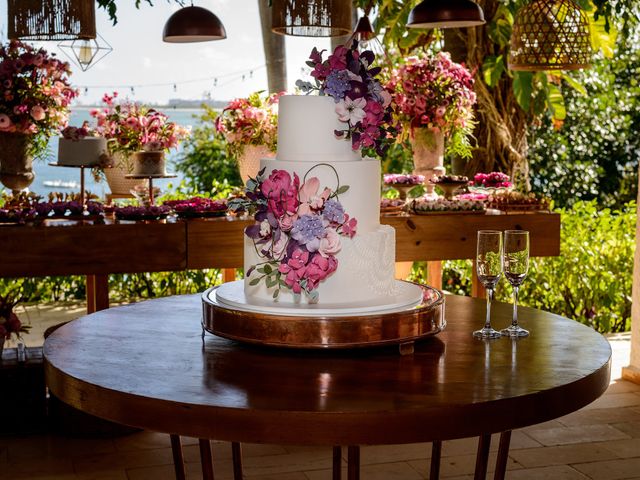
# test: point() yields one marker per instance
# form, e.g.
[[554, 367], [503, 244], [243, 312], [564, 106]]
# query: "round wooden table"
[[146, 365]]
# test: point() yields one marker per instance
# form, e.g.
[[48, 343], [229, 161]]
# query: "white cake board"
[[231, 295]]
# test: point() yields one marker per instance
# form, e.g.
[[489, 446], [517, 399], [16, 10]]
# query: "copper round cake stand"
[[402, 328]]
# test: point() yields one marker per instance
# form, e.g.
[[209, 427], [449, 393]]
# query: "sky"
[[140, 59]]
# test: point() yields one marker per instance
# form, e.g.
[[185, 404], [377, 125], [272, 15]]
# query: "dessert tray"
[[416, 312]]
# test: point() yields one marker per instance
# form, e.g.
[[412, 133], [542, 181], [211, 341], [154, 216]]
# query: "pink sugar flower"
[[330, 244], [349, 226], [309, 198], [318, 269], [281, 192], [295, 269]]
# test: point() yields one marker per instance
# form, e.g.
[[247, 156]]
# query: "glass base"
[[487, 333], [514, 331]]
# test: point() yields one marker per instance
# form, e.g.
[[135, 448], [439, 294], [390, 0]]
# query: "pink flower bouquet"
[[297, 233], [35, 92], [363, 104], [491, 180], [132, 127], [435, 92], [250, 121], [10, 324]]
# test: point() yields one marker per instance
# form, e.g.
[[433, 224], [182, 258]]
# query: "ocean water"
[[46, 173]]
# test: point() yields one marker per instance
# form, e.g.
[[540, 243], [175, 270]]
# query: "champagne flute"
[[516, 266], [489, 270]]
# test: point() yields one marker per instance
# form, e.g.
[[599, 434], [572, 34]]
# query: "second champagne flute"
[[516, 266], [489, 270]]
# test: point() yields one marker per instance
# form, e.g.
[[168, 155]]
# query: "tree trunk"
[[274, 51], [501, 134]]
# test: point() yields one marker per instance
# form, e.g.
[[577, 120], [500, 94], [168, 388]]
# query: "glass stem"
[[487, 323], [514, 322]]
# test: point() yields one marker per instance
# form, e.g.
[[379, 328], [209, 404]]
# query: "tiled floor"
[[600, 442]]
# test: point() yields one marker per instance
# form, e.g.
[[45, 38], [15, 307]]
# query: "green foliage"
[[112, 9], [122, 287], [594, 155], [204, 161], [591, 280]]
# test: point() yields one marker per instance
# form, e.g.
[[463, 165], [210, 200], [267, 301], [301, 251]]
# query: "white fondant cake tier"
[[86, 151], [306, 126], [361, 201], [365, 273]]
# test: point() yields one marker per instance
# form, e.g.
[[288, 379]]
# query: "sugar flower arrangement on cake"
[[298, 230], [429, 204], [132, 127], [363, 104], [432, 91], [76, 134], [250, 121], [403, 179], [35, 92]]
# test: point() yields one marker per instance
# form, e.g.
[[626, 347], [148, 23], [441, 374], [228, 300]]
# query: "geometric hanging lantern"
[[312, 18], [550, 35], [446, 14], [86, 52], [44, 20], [368, 40]]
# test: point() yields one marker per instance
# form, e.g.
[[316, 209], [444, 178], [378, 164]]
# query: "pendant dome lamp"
[[550, 35], [193, 24], [446, 14], [367, 38]]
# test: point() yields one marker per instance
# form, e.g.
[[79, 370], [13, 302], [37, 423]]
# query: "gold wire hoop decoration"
[[43, 20], [312, 18], [550, 35]]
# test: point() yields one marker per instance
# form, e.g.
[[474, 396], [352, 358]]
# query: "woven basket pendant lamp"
[[312, 18], [550, 35], [42, 20]]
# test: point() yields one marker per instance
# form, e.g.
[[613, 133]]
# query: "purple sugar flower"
[[337, 84], [333, 211], [307, 231]]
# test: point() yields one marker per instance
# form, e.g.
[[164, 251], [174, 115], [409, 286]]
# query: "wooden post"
[[228, 275], [434, 273], [97, 292], [632, 372]]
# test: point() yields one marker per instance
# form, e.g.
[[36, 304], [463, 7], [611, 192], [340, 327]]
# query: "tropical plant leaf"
[[523, 88], [492, 69]]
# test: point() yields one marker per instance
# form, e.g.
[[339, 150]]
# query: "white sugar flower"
[[351, 110]]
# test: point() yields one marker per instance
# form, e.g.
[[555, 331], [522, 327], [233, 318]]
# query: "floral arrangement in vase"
[[36, 93], [363, 104], [250, 128], [432, 91], [10, 324], [298, 230], [250, 121], [134, 128]]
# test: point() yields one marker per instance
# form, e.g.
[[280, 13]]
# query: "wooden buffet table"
[[128, 247], [146, 365]]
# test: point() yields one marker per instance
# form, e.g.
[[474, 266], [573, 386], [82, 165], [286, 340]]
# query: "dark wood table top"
[[145, 365]]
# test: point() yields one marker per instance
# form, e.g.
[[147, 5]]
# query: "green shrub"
[[589, 282], [204, 162]]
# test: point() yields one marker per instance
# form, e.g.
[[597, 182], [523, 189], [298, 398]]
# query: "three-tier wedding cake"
[[317, 244]]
